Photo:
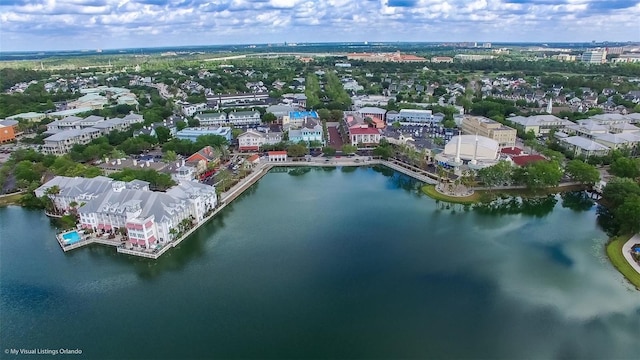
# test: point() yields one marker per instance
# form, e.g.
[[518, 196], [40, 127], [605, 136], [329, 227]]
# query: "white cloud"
[[63, 24]]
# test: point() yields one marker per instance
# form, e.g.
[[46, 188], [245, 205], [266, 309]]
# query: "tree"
[[224, 177], [383, 151], [328, 151], [297, 150], [269, 117], [539, 174], [496, 175], [163, 134], [349, 149], [396, 125], [625, 167], [315, 144], [627, 215], [582, 172], [618, 190], [193, 122], [180, 125], [170, 156], [324, 114]]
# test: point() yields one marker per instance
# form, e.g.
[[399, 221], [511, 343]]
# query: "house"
[[109, 166], [583, 146], [252, 161], [277, 156], [203, 160], [311, 130], [296, 118]]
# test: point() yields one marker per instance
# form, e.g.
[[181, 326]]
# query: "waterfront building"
[[193, 133], [364, 136], [146, 217], [504, 135], [310, 130], [539, 124], [473, 150], [252, 140], [277, 156]]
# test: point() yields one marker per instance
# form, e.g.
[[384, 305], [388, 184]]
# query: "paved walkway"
[[626, 251]]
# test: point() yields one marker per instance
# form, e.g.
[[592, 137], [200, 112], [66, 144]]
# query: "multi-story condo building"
[[252, 140], [539, 124], [211, 119], [235, 118], [412, 117], [62, 142], [193, 133], [244, 118], [480, 125], [147, 217]]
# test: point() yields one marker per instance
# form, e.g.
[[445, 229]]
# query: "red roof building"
[[527, 159], [511, 151]]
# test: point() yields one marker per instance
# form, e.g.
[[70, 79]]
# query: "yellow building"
[[480, 125]]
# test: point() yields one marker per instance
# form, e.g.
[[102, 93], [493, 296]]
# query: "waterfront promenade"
[[227, 197], [626, 251]]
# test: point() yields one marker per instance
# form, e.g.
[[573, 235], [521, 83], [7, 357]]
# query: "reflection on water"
[[331, 264]]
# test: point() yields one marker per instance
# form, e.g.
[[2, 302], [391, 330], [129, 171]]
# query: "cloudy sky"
[[107, 24]]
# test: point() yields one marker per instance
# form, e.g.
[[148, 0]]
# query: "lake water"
[[331, 263]]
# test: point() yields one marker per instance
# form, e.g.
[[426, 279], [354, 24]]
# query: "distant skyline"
[[43, 25]]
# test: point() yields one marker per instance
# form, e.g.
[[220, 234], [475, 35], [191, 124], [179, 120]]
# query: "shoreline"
[[617, 250]]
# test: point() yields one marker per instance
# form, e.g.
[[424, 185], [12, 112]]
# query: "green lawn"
[[430, 190], [614, 252], [10, 199]]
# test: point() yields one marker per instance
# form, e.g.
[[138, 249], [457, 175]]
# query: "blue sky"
[[106, 24]]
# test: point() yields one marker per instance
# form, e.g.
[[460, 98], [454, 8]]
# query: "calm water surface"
[[332, 263]]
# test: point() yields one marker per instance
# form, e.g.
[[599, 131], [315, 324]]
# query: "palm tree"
[[51, 193]]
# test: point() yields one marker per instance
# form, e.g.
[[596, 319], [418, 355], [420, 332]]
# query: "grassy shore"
[[10, 199], [430, 190], [614, 252]]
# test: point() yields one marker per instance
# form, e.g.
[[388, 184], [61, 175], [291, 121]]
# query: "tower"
[[549, 106]]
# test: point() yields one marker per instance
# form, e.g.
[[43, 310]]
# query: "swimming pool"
[[71, 237]]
